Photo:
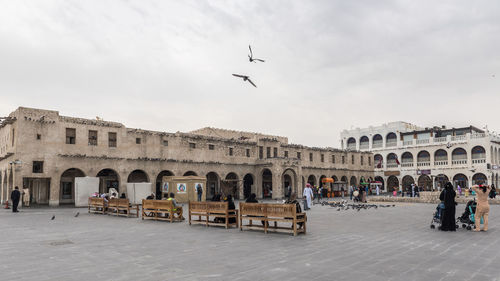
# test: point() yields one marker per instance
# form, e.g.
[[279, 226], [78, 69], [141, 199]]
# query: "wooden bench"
[[161, 210], [122, 207], [97, 205], [219, 211], [272, 213]]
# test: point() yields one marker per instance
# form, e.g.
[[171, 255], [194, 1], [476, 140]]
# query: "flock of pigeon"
[[344, 205], [251, 59]]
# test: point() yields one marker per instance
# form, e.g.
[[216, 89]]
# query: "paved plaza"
[[375, 244]]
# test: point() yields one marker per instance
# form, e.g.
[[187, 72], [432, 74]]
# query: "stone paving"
[[375, 244]]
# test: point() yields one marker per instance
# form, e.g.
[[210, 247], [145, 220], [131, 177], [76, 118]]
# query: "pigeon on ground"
[[77, 214], [245, 78], [53, 217], [251, 58]]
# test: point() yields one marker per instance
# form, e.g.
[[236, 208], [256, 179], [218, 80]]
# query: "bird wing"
[[251, 82], [250, 48], [259, 60], [241, 76]]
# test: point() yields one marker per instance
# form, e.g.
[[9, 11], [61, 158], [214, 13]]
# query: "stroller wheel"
[[433, 226], [464, 225], [469, 227]]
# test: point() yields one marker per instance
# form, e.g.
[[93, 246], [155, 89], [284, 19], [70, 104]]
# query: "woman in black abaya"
[[448, 197]]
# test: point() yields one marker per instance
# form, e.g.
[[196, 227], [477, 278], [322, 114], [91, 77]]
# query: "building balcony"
[[424, 164], [364, 146], [478, 161], [392, 165], [459, 162], [377, 144], [391, 144], [351, 146], [407, 164], [407, 143], [424, 141], [441, 163]]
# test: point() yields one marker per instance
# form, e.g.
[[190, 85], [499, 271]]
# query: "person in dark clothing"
[[230, 206], [15, 196], [493, 192], [448, 197], [252, 199], [293, 200], [123, 196]]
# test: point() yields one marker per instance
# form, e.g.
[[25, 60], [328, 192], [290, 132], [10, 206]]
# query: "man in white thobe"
[[308, 194]]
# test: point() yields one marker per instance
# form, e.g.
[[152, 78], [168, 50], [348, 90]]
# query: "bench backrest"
[[96, 201], [216, 207], [163, 204], [117, 202], [281, 210], [269, 210], [253, 209], [148, 204]]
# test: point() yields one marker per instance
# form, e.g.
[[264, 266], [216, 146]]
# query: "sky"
[[329, 65]]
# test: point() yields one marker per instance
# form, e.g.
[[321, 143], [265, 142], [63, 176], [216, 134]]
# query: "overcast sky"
[[330, 65]]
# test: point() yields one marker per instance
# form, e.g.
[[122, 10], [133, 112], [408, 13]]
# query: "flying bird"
[[245, 78], [251, 58], [77, 214], [53, 217]]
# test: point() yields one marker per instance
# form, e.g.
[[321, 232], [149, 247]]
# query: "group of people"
[[447, 196], [15, 197], [358, 193]]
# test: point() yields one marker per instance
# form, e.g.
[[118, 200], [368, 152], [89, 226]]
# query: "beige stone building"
[[44, 151]]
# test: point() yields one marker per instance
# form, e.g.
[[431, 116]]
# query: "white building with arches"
[[429, 157]]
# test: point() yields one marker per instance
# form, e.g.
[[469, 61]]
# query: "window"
[[211, 147], [248, 152], [165, 142], [322, 158], [70, 135], [275, 152], [37, 166], [230, 151], [362, 160], [310, 156], [92, 137], [192, 145], [38, 136], [138, 140], [13, 136], [333, 159], [261, 152], [112, 139], [352, 159], [343, 159], [299, 155], [268, 152], [369, 161], [286, 154]]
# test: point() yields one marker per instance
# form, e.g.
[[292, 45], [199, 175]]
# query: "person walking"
[[351, 190], [448, 197], [308, 195], [26, 197], [483, 207], [199, 191], [377, 189], [341, 191], [459, 189], [493, 192], [15, 195]]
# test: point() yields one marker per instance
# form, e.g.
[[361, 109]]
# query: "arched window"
[[351, 143], [377, 141], [364, 142], [391, 140]]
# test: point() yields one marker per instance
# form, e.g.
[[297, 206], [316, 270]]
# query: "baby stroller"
[[468, 217], [438, 216]]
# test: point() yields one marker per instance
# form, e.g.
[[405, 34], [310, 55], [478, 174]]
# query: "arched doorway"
[[441, 180], [460, 179], [230, 185], [425, 182], [213, 184], [67, 185], [108, 178], [392, 183], [137, 176], [353, 181], [479, 178], [380, 179], [190, 173], [267, 184], [289, 180], [321, 179], [311, 180], [247, 185], [407, 181], [159, 180]]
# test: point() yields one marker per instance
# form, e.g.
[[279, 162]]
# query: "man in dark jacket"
[[15, 196]]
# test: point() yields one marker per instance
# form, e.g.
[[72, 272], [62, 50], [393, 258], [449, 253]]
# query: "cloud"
[[330, 65]]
